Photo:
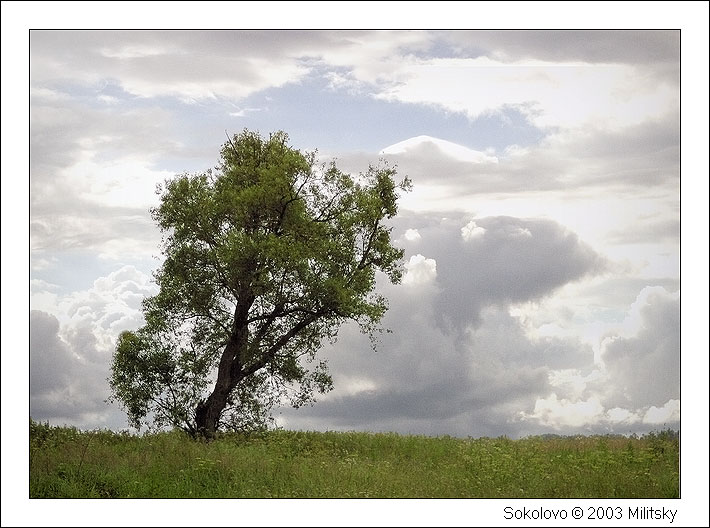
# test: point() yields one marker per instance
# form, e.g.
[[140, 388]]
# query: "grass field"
[[65, 462]]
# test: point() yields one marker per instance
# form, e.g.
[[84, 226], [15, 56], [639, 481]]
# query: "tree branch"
[[270, 354]]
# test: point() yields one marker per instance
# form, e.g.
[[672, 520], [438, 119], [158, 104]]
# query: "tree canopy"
[[265, 258]]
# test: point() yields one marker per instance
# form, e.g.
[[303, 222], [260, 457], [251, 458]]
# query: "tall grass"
[[65, 462]]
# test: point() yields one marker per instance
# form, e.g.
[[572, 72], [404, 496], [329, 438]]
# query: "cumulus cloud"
[[637, 383], [70, 349], [668, 414], [642, 358], [67, 377], [476, 376], [428, 380], [557, 414], [412, 235], [513, 260], [617, 415], [471, 231], [420, 270]]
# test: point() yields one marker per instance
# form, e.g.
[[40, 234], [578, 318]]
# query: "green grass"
[[65, 462]]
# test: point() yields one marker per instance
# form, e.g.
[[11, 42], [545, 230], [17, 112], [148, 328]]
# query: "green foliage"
[[265, 258], [69, 463]]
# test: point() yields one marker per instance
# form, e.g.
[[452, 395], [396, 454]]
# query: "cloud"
[[550, 94], [669, 413], [591, 46], [627, 159], [67, 378], [636, 384], [552, 85], [412, 235], [471, 231], [457, 362], [420, 270], [47, 350], [649, 229], [185, 64], [92, 179], [197, 65], [557, 414], [642, 358], [426, 380], [70, 349], [513, 260], [617, 415], [428, 147]]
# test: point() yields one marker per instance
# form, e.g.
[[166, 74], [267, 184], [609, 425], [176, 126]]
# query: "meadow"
[[69, 463]]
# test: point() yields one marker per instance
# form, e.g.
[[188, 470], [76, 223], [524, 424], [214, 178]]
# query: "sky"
[[542, 236]]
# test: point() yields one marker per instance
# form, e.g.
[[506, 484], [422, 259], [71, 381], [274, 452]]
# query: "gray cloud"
[[92, 226], [65, 131], [513, 260], [638, 156], [457, 362], [645, 368], [47, 350], [69, 363], [201, 64], [68, 376], [593, 46], [428, 382], [648, 230]]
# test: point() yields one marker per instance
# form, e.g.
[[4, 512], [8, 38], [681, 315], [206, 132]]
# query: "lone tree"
[[265, 258]]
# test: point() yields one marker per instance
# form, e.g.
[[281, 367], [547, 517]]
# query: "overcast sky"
[[542, 288], [542, 238]]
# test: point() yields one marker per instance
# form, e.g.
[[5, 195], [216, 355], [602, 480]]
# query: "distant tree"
[[265, 258]]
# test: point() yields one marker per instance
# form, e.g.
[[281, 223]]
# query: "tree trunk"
[[229, 374], [208, 412]]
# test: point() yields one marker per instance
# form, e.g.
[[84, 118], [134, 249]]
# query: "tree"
[[265, 258]]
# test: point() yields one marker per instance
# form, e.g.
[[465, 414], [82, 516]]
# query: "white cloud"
[[72, 337], [642, 358], [127, 183], [424, 145], [571, 381], [667, 414], [471, 231], [557, 413], [67, 376], [550, 94], [636, 318], [111, 305], [108, 99], [412, 235], [134, 51], [349, 386], [420, 270], [617, 415]]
